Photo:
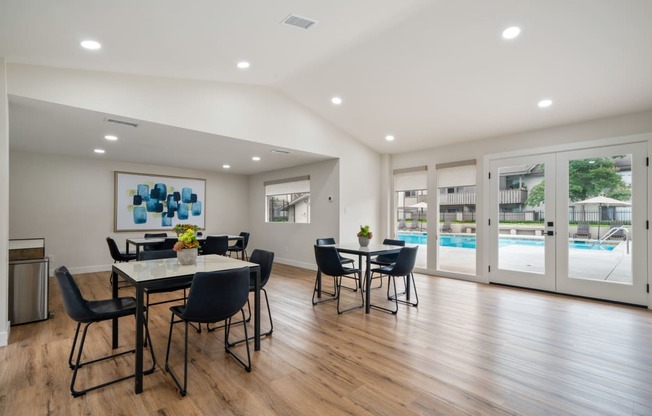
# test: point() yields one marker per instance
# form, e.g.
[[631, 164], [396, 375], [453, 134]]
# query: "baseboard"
[[87, 269], [289, 262], [4, 335]]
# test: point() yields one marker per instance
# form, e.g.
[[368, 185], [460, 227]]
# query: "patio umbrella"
[[601, 201], [420, 206]]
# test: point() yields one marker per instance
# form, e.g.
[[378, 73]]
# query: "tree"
[[587, 178]]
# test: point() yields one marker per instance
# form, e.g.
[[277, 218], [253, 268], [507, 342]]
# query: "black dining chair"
[[265, 259], [215, 244], [386, 259], [328, 262], [402, 267], [344, 260], [88, 312], [154, 246], [240, 246], [118, 257], [163, 287], [214, 297], [169, 243]]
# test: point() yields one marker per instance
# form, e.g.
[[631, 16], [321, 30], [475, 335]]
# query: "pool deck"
[[610, 266]]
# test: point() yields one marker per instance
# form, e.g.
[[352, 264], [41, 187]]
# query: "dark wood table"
[[142, 274]]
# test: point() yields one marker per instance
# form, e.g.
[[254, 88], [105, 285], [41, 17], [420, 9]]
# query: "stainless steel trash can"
[[28, 291]]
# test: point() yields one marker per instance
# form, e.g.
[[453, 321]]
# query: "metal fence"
[[606, 214]]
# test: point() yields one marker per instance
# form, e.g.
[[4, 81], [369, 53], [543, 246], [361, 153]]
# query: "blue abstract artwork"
[[153, 202]]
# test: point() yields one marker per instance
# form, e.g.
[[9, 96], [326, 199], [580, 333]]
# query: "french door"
[[572, 222]]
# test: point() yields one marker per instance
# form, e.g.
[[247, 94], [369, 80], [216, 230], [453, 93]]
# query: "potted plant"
[[187, 247], [181, 228], [364, 235]]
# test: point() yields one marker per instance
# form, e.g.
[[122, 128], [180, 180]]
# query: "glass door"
[[602, 205], [522, 221]]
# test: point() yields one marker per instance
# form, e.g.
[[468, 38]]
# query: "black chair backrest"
[[73, 301], [404, 262], [216, 244], [265, 259], [114, 250], [244, 242], [169, 243], [156, 254], [328, 261], [325, 241], [390, 258], [155, 246], [215, 296]]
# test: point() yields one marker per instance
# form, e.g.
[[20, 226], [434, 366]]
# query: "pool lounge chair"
[[620, 234], [583, 230]]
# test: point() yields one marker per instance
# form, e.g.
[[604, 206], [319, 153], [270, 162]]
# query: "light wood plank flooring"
[[468, 349]]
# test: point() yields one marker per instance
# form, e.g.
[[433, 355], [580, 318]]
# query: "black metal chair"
[[265, 259], [401, 268], [215, 244], [118, 257], [214, 297], [154, 246], [163, 287], [88, 312], [240, 246], [328, 262], [169, 243], [386, 259], [343, 260]]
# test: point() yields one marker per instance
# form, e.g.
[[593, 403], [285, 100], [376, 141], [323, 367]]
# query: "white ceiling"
[[429, 72]]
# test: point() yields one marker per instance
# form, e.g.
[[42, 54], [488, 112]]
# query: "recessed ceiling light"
[[544, 103], [511, 32], [90, 44], [389, 138], [99, 150], [256, 158], [112, 138], [226, 166], [243, 65], [336, 100]]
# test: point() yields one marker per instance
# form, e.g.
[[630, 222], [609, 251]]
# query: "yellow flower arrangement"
[[187, 240]]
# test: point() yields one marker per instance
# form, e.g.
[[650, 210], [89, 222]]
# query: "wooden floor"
[[467, 349]]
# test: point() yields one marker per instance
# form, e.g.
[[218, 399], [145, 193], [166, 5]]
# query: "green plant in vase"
[[364, 235]]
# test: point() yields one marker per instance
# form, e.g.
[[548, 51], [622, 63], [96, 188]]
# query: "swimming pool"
[[470, 242]]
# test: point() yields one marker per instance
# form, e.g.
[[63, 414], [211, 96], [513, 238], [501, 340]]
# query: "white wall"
[[4, 205], [292, 243], [254, 113], [591, 132], [69, 202]]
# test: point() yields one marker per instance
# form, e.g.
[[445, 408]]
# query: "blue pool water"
[[469, 242]]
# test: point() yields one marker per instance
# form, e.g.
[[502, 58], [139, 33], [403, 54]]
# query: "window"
[[410, 200], [288, 200]]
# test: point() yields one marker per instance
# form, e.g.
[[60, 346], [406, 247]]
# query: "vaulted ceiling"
[[427, 72]]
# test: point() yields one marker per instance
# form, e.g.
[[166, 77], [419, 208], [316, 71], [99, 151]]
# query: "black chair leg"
[[271, 323], [227, 345], [333, 295], [394, 297], [79, 364], [182, 389], [339, 292]]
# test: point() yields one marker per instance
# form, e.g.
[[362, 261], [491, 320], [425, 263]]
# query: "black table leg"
[[114, 293], [367, 280], [257, 311], [140, 323]]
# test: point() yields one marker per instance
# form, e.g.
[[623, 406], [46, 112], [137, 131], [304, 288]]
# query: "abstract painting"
[[155, 202]]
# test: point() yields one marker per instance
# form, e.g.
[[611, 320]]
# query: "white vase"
[[187, 256], [364, 241]]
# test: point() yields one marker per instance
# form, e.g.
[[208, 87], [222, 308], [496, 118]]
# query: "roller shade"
[[288, 186], [411, 179], [456, 174]]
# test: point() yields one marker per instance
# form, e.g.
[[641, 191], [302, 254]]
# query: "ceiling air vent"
[[283, 152], [298, 21], [121, 122]]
